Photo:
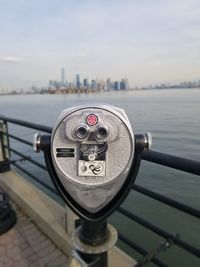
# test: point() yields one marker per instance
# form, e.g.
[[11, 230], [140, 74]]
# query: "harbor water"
[[173, 118]]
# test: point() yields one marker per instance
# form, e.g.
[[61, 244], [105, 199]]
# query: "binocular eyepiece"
[[102, 132], [83, 132]]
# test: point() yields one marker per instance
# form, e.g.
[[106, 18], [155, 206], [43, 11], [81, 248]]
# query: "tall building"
[[62, 77], [86, 83], [124, 84], [78, 81], [94, 84], [109, 85], [116, 85]]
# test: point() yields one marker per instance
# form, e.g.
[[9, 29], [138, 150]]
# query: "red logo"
[[92, 119]]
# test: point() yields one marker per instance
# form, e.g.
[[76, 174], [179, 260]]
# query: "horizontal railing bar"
[[27, 158], [160, 231], [18, 139], [167, 200], [36, 179], [27, 124], [139, 249], [174, 162], [163, 159]]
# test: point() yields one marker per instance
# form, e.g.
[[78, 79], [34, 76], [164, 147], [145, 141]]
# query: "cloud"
[[12, 59]]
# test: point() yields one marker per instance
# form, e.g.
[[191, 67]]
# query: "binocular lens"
[[82, 131], [101, 132]]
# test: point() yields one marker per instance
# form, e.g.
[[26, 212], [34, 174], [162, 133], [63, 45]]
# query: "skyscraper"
[[86, 83], [62, 77], [78, 81], [108, 84], [124, 84], [116, 85], [94, 84]]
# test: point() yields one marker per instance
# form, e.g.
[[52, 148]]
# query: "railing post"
[[70, 221], [4, 143]]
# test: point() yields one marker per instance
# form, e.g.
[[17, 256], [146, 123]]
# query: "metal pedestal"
[[91, 242]]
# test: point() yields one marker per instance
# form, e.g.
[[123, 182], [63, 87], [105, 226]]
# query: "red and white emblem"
[[92, 119]]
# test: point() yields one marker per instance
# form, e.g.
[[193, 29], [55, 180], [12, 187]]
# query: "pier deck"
[[26, 246]]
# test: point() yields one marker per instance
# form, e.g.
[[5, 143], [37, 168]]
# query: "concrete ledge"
[[43, 210], [49, 215]]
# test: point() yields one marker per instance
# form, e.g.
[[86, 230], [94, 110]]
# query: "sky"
[[146, 41]]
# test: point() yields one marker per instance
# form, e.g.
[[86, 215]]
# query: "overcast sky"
[[146, 41]]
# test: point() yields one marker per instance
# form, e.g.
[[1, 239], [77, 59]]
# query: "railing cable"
[[36, 179], [26, 158], [27, 124], [161, 232], [162, 247], [141, 250], [178, 163], [171, 202]]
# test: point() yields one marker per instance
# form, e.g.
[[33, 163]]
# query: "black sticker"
[[64, 149], [65, 152]]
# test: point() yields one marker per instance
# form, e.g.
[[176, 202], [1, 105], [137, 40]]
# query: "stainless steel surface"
[[36, 142], [148, 140], [90, 180]]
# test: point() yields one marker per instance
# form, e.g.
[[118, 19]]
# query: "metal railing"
[[178, 163]]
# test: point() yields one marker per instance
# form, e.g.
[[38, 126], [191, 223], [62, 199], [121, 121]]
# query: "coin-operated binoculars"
[[93, 158]]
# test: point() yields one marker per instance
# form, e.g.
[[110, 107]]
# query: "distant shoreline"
[[61, 92]]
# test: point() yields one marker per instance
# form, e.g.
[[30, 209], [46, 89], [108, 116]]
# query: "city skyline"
[[148, 42], [88, 82], [93, 85]]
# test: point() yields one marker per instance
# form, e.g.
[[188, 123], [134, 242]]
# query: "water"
[[173, 118]]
